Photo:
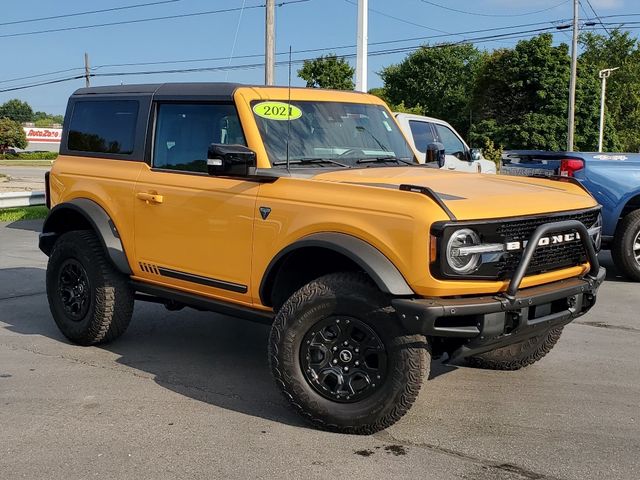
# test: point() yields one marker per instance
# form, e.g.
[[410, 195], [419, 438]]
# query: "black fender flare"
[[99, 220], [381, 270]]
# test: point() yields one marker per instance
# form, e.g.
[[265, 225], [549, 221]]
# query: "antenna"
[[289, 109]]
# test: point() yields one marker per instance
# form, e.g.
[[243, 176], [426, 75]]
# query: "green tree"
[[328, 71], [16, 110], [436, 80], [521, 96], [400, 107], [11, 134], [43, 119]]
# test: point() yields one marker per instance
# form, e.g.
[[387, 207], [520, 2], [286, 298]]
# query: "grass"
[[26, 163], [23, 213]]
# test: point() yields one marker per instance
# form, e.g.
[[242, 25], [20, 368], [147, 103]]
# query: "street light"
[[603, 74]]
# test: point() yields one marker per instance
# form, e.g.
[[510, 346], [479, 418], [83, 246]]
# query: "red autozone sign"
[[43, 135]]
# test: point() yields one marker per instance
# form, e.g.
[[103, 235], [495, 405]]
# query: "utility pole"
[[270, 43], [86, 70], [603, 74], [361, 47], [572, 82]]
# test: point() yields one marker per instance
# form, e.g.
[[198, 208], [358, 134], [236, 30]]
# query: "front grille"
[[545, 258], [522, 229]]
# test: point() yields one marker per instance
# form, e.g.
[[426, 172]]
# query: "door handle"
[[149, 197]]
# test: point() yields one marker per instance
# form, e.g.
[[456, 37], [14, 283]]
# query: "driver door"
[[193, 231]]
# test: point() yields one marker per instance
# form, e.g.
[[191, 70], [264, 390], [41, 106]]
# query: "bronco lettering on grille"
[[544, 241]]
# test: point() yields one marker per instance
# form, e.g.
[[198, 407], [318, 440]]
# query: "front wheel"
[[341, 358]]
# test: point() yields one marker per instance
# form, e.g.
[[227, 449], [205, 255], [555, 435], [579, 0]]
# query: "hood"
[[472, 196]]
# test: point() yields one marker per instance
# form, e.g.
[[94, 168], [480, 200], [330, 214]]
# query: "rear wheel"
[[626, 246], [341, 358], [91, 302], [518, 355]]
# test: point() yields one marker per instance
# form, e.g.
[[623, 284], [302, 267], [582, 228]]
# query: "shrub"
[[493, 153], [29, 156]]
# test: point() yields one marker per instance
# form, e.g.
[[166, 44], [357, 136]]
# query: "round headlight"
[[458, 260]]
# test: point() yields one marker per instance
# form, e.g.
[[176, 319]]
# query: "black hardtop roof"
[[216, 90], [201, 88]]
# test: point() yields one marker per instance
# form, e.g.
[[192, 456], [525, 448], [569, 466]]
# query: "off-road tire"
[[623, 242], [353, 295], [518, 355], [110, 297]]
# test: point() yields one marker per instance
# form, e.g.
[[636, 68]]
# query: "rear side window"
[[422, 134], [103, 126]]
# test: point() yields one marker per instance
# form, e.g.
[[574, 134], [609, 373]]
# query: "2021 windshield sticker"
[[277, 111]]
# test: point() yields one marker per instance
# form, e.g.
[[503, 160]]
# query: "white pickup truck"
[[425, 133]]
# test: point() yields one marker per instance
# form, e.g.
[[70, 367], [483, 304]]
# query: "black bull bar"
[[484, 323]]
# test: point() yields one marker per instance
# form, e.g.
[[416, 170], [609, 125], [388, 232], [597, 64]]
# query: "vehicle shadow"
[[613, 274], [29, 225], [210, 358]]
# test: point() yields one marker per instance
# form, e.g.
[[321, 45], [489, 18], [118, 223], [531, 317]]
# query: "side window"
[[422, 134], [452, 144], [185, 131], [103, 126]]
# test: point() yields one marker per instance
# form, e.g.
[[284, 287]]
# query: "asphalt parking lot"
[[19, 179], [188, 395]]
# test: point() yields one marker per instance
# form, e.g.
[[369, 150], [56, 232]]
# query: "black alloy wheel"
[[74, 289], [90, 300], [343, 359]]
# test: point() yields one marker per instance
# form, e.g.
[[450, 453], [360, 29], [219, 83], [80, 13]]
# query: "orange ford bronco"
[[307, 209]]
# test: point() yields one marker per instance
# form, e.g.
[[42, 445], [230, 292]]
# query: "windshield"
[[330, 134]]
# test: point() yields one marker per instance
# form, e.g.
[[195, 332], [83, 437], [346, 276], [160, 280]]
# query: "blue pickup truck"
[[612, 178]]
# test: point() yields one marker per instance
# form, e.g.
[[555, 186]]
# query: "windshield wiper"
[[309, 161], [384, 159], [360, 128]]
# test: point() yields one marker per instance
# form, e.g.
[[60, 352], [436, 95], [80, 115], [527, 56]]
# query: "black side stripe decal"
[[210, 282]]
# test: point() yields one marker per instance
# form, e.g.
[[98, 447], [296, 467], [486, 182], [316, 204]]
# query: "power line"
[[40, 75], [617, 16], [383, 14], [67, 15], [512, 35], [390, 51], [494, 14], [339, 47], [310, 50], [596, 15], [49, 82], [141, 20]]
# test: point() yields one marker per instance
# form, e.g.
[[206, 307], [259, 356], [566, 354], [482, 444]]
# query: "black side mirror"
[[435, 154], [230, 160], [475, 154]]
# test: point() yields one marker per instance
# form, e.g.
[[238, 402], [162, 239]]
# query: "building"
[[43, 139]]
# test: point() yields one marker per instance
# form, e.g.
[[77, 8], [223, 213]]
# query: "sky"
[[235, 38]]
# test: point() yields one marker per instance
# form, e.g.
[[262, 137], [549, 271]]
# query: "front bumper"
[[474, 325]]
